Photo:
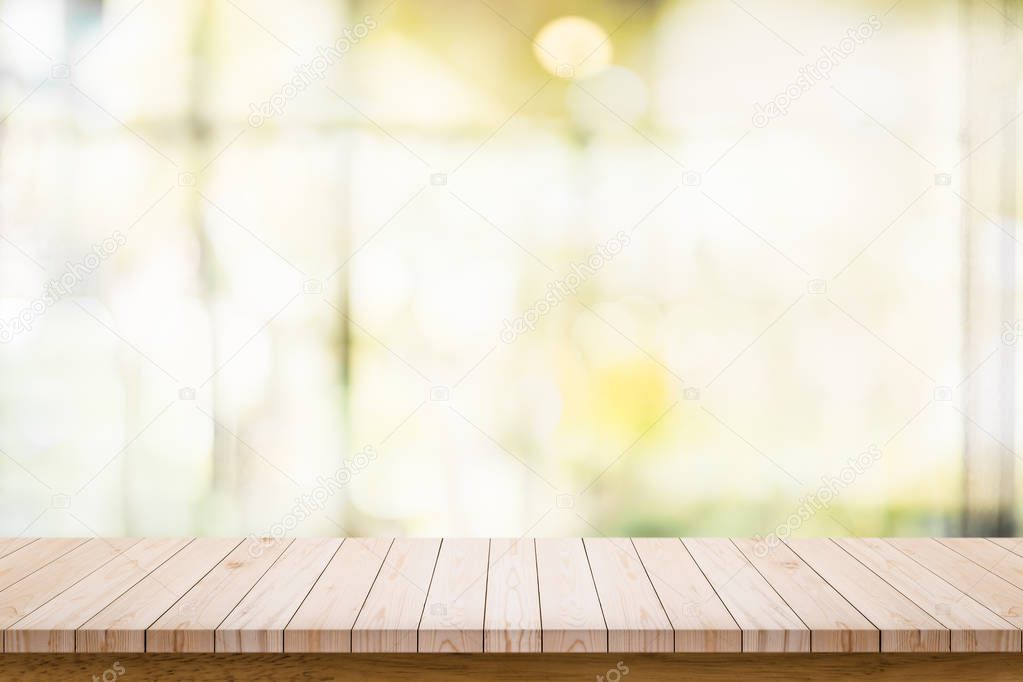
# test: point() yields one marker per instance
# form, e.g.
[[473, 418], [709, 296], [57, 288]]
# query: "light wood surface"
[[904, 626], [51, 627], [453, 618], [570, 613], [256, 624], [389, 620], [512, 620], [992, 556], [767, 622], [543, 597], [30, 558], [835, 625], [1012, 544], [121, 626], [699, 618], [635, 619], [39, 587], [8, 545], [324, 621], [998, 595], [189, 625], [973, 627]]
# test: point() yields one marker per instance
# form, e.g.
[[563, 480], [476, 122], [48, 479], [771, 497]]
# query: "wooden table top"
[[385, 595]]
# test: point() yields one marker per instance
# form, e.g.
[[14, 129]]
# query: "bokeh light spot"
[[573, 47]]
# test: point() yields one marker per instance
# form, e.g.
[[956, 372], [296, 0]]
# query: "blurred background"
[[484, 267]]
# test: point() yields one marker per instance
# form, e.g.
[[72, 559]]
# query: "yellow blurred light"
[[616, 88], [573, 47]]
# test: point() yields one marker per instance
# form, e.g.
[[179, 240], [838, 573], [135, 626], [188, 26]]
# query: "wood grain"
[[512, 622], [453, 619], [992, 556], [636, 621], [188, 626], [51, 627], [699, 618], [998, 595], [972, 626], [767, 622], [39, 587], [30, 559], [1014, 545], [324, 621], [835, 625], [520, 667], [256, 624], [389, 620], [572, 597], [121, 626], [569, 607], [904, 626], [8, 545]]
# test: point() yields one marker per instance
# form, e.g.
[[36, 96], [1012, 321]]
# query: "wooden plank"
[[1000, 596], [121, 626], [700, 620], [992, 556], [51, 627], [767, 623], [636, 621], [30, 559], [512, 622], [958, 594], [188, 626], [39, 587], [905, 627], [972, 626], [324, 621], [1014, 545], [453, 619], [569, 607], [835, 625], [257, 624], [8, 545], [389, 621]]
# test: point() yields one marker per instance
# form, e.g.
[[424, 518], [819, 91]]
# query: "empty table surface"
[[589, 595]]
